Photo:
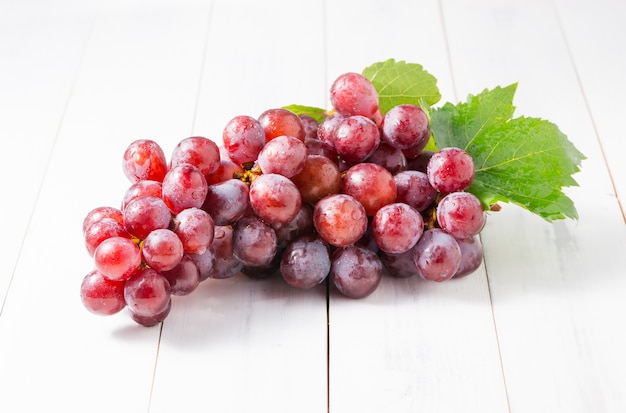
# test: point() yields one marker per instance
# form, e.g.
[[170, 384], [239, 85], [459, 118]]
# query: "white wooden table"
[[538, 328]]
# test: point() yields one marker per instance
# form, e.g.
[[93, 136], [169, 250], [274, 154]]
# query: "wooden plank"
[[240, 345], [138, 78], [600, 66], [556, 288], [411, 345], [40, 51]]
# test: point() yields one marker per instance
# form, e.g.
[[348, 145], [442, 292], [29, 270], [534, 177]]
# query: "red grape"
[[243, 138], [355, 138], [101, 230], [98, 213], [353, 94], [147, 293], [371, 184], [461, 214], [319, 178], [198, 151], [450, 170], [284, 155], [340, 219], [195, 229], [274, 198], [142, 188], [406, 126], [162, 249], [279, 122], [146, 214], [117, 258], [144, 159], [101, 295], [184, 187], [397, 227]]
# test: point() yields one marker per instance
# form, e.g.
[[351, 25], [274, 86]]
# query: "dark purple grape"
[[254, 242], [471, 256], [305, 262], [227, 201], [437, 255], [450, 170], [356, 271]]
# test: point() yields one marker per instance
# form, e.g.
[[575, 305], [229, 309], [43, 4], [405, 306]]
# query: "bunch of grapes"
[[346, 199]]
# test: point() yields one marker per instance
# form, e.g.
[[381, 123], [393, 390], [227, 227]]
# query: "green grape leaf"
[[318, 114], [399, 82], [526, 161]]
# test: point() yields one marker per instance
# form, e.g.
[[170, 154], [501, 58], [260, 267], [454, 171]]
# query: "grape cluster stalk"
[[347, 199]]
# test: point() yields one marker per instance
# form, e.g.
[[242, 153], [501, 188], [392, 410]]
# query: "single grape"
[[162, 249], [205, 262], [227, 201], [226, 264], [146, 214], [399, 265], [226, 170], [419, 162], [414, 189], [406, 126], [195, 229], [397, 227], [99, 213], [274, 198], [101, 295], [305, 262], [152, 320], [184, 278], [184, 187], [147, 293], [302, 224], [243, 138], [142, 188], [471, 256], [461, 214], [320, 177], [353, 94], [340, 219], [326, 129], [356, 271], [283, 155], [437, 255], [261, 272], [254, 242], [356, 138], [198, 151], [144, 159], [318, 147], [101, 230], [117, 258], [310, 126], [371, 184], [279, 122], [390, 158], [450, 170]]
